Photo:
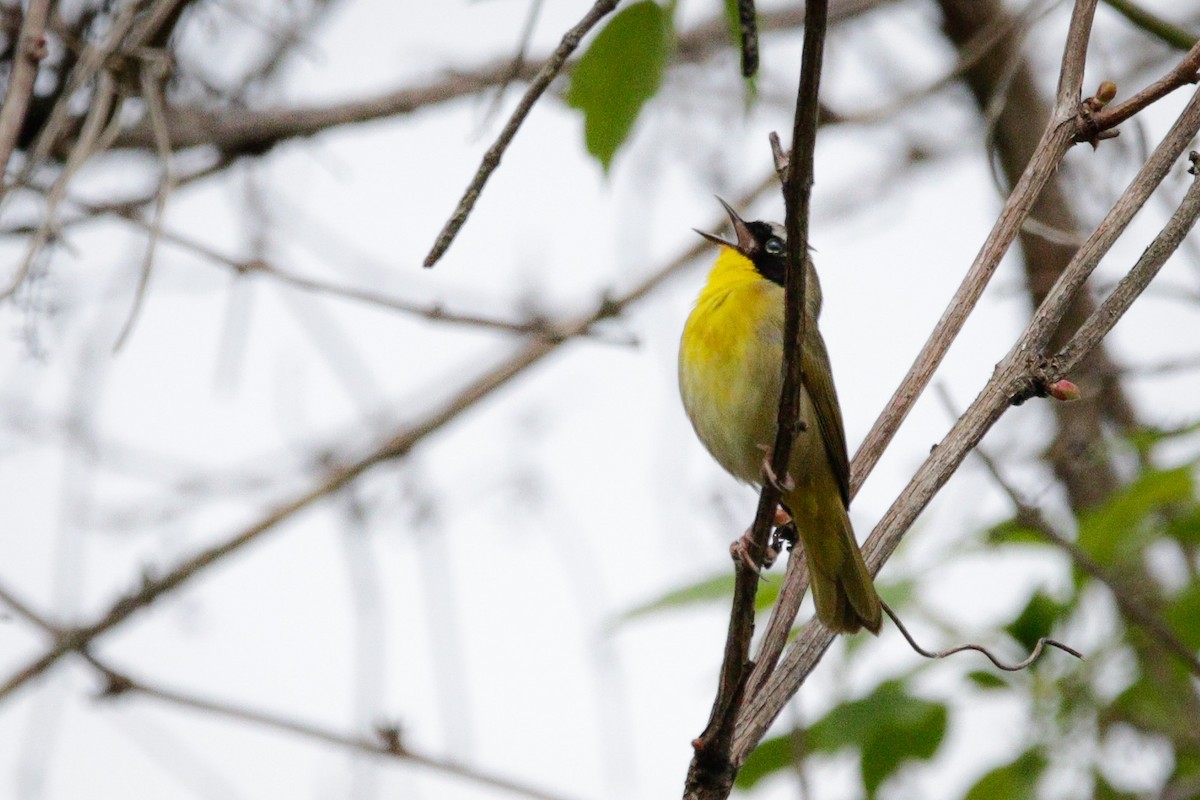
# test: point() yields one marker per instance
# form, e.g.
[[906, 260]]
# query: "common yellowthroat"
[[730, 377]]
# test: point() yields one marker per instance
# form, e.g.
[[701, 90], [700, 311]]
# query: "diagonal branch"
[[1020, 375], [1055, 142], [491, 159]]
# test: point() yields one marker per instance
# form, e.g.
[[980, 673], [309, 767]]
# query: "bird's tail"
[[845, 597]]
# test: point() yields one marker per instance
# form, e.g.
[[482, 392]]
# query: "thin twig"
[[491, 159], [748, 24], [536, 326], [1042, 643], [28, 52], [90, 137], [152, 77], [1180, 75], [518, 60]]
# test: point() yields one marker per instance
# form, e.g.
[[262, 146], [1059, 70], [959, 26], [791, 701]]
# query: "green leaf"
[[1185, 528], [889, 726], [1015, 781], [1036, 620], [916, 734], [986, 680], [708, 590], [620, 71], [1013, 532], [772, 755], [1183, 614], [1117, 531]]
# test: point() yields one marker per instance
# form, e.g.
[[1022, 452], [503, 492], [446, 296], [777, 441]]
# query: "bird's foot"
[[782, 532], [744, 551]]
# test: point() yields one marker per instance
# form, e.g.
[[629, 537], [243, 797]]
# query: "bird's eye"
[[774, 246]]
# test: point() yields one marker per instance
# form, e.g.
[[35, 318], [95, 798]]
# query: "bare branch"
[[1055, 141], [1181, 74], [28, 53], [491, 159], [152, 77], [1135, 282], [242, 130], [711, 772], [535, 326], [387, 743], [91, 139]]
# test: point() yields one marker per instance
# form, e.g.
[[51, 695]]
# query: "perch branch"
[[711, 772]]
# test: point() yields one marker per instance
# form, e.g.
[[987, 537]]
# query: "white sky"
[[498, 555]]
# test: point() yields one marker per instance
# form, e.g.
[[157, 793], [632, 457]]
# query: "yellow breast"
[[729, 364]]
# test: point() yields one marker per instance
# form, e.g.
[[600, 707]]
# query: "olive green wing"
[[818, 379]]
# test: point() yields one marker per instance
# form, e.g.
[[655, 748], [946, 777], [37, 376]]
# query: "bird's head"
[[763, 243]]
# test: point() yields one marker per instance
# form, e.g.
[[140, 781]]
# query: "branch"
[[1055, 142], [1182, 74], [243, 130], [1135, 282], [401, 443], [535, 326], [387, 742], [152, 76], [711, 772], [1021, 374], [491, 159], [27, 54]]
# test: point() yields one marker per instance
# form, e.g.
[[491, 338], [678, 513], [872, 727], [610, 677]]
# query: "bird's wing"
[[818, 379]]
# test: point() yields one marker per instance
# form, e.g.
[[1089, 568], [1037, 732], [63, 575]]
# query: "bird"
[[730, 379]]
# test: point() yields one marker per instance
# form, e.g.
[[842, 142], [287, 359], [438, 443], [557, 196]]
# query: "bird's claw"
[[783, 486], [743, 549]]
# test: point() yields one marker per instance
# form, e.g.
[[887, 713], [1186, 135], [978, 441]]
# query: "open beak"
[[746, 244]]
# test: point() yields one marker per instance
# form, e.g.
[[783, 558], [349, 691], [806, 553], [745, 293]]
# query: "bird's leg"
[[742, 551]]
